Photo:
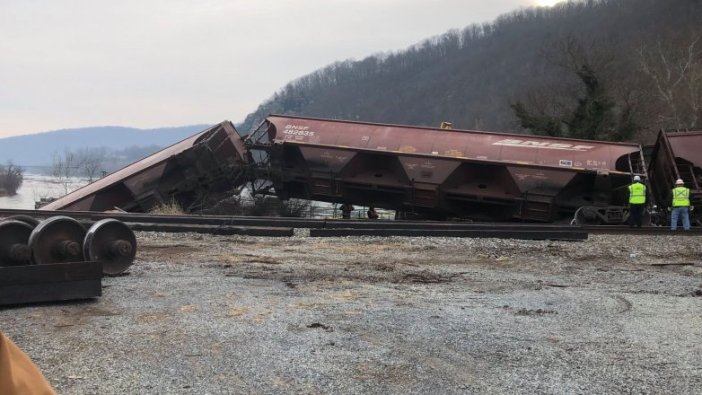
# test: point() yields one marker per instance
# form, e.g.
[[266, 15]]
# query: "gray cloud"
[[154, 63]]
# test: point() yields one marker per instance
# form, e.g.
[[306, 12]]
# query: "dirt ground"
[[223, 315]]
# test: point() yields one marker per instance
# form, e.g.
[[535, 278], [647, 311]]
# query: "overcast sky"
[[153, 63]]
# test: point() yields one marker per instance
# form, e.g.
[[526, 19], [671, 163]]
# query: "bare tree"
[[64, 169], [90, 162], [68, 168], [676, 73]]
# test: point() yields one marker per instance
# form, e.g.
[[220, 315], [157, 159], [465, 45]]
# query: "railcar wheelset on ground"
[[61, 239]]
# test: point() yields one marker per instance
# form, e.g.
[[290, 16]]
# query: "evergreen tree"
[[594, 117]]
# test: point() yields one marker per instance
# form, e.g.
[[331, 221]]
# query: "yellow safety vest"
[[637, 193], [681, 197]]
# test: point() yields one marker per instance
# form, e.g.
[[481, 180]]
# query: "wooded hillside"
[[629, 67]]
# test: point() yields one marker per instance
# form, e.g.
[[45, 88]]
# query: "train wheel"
[[587, 215], [31, 221], [14, 248], [57, 240], [646, 218], [111, 242]]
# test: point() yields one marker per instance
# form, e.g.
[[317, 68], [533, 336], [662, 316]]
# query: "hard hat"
[[679, 182], [637, 178]]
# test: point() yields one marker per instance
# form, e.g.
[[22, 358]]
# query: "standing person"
[[681, 206], [372, 214], [637, 201], [346, 210]]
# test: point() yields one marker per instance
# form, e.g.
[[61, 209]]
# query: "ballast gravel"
[[202, 314]]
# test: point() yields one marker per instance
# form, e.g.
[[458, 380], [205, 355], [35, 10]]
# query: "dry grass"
[[169, 208]]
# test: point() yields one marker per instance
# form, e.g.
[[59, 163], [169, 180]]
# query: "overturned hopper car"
[[439, 173], [191, 173], [676, 155]]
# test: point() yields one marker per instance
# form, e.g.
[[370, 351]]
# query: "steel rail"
[[646, 230], [173, 219], [215, 230], [219, 224], [310, 223], [568, 235]]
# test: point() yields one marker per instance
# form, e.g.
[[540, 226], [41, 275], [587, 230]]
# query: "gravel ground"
[[219, 315]]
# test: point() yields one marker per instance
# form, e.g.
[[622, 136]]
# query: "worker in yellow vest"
[[681, 206], [637, 201]]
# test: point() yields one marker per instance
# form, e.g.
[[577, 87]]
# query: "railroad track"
[[281, 226], [646, 230]]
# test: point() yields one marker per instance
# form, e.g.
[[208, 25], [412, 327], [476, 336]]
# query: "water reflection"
[[36, 187]]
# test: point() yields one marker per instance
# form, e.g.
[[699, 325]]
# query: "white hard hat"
[[679, 182], [637, 178]]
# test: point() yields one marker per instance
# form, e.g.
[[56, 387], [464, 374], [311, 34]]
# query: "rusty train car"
[[676, 155], [420, 172], [192, 172], [438, 173]]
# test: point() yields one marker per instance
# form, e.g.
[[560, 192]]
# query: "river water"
[[35, 187]]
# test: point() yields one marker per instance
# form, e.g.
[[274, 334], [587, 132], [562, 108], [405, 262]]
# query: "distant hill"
[[646, 56], [38, 149]]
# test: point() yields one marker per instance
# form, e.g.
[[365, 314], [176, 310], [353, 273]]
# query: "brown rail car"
[[676, 155], [443, 173], [189, 172]]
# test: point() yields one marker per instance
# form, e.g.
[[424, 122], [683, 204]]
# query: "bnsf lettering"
[[296, 127], [541, 144]]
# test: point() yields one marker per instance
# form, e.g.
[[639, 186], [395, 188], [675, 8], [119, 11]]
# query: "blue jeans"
[[677, 212]]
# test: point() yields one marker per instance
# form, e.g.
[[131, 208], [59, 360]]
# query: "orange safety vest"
[[18, 374]]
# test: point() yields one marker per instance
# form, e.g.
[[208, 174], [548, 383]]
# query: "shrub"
[[11, 178]]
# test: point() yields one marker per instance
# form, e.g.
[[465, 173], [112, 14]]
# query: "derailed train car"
[[191, 173], [438, 173], [676, 155], [420, 172]]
